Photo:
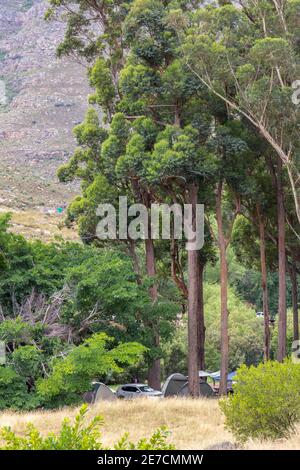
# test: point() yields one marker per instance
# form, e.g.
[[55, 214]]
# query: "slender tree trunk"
[[135, 261], [224, 293], [264, 284], [293, 276], [201, 321], [176, 269], [282, 317], [193, 306], [154, 372]]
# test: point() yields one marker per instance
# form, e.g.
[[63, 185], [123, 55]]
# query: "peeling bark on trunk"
[[264, 284], [224, 292], [282, 316], [193, 306]]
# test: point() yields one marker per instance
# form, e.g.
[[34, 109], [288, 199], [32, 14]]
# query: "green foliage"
[[72, 375], [101, 80], [26, 361], [86, 158], [252, 63], [93, 291], [158, 441], [265, 403], [107, 285], [177, 152], [13, 391], [15, 331], [79, 436], [28, 266], [245, 332], [158, 70]]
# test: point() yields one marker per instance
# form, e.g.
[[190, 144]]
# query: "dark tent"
[[177, 385]]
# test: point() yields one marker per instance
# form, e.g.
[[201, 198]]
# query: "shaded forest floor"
[[193, 424]]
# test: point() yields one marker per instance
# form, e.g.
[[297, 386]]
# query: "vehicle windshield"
[[145, 388]]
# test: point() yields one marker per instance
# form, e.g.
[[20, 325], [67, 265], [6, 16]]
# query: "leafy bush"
[[78, 437], [245, 332], [13, 391], [266, 401], [15, 331], [27, 361], [72, 375]]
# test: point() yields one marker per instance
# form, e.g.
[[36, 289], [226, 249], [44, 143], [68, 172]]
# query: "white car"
[[131, 391]]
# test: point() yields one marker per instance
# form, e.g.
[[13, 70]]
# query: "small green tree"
[[27, 362], [265, 403], [72, 375]]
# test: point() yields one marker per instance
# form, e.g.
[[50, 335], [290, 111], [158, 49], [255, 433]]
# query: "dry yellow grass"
[[35, 224], [193, 424]]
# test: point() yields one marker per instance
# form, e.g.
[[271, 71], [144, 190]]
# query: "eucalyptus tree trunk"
[[201, 320], [154, 371], [264, 284], [193, 305], [224, 292], [282, 315], [184, 290], [293, 276], [135, 260]]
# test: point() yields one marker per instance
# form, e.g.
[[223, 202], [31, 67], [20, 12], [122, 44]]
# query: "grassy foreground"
[[193, 424]]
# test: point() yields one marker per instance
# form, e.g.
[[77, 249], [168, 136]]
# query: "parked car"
[[131, 391]]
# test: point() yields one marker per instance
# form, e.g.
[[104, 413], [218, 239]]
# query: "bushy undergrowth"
[[266, 401], [79, 436], [71, 314]]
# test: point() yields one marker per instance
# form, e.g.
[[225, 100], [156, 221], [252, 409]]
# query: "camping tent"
[[177, 385], [204, 375], [104, 393], [217, 376], [100, 393]]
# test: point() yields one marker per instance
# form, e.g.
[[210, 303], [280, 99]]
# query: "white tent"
[[104, 393]]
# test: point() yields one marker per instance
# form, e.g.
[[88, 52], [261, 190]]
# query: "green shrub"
[[27, 361], [13, 391], [266, 401], [78, 437], [71, 376]]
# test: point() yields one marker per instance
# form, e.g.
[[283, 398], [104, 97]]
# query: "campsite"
[[149, 226], [176, 385]]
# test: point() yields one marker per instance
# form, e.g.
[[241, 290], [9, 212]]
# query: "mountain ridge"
[[41, 99]]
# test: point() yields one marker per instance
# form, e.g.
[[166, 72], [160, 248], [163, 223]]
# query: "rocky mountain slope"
[[41, 99]]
